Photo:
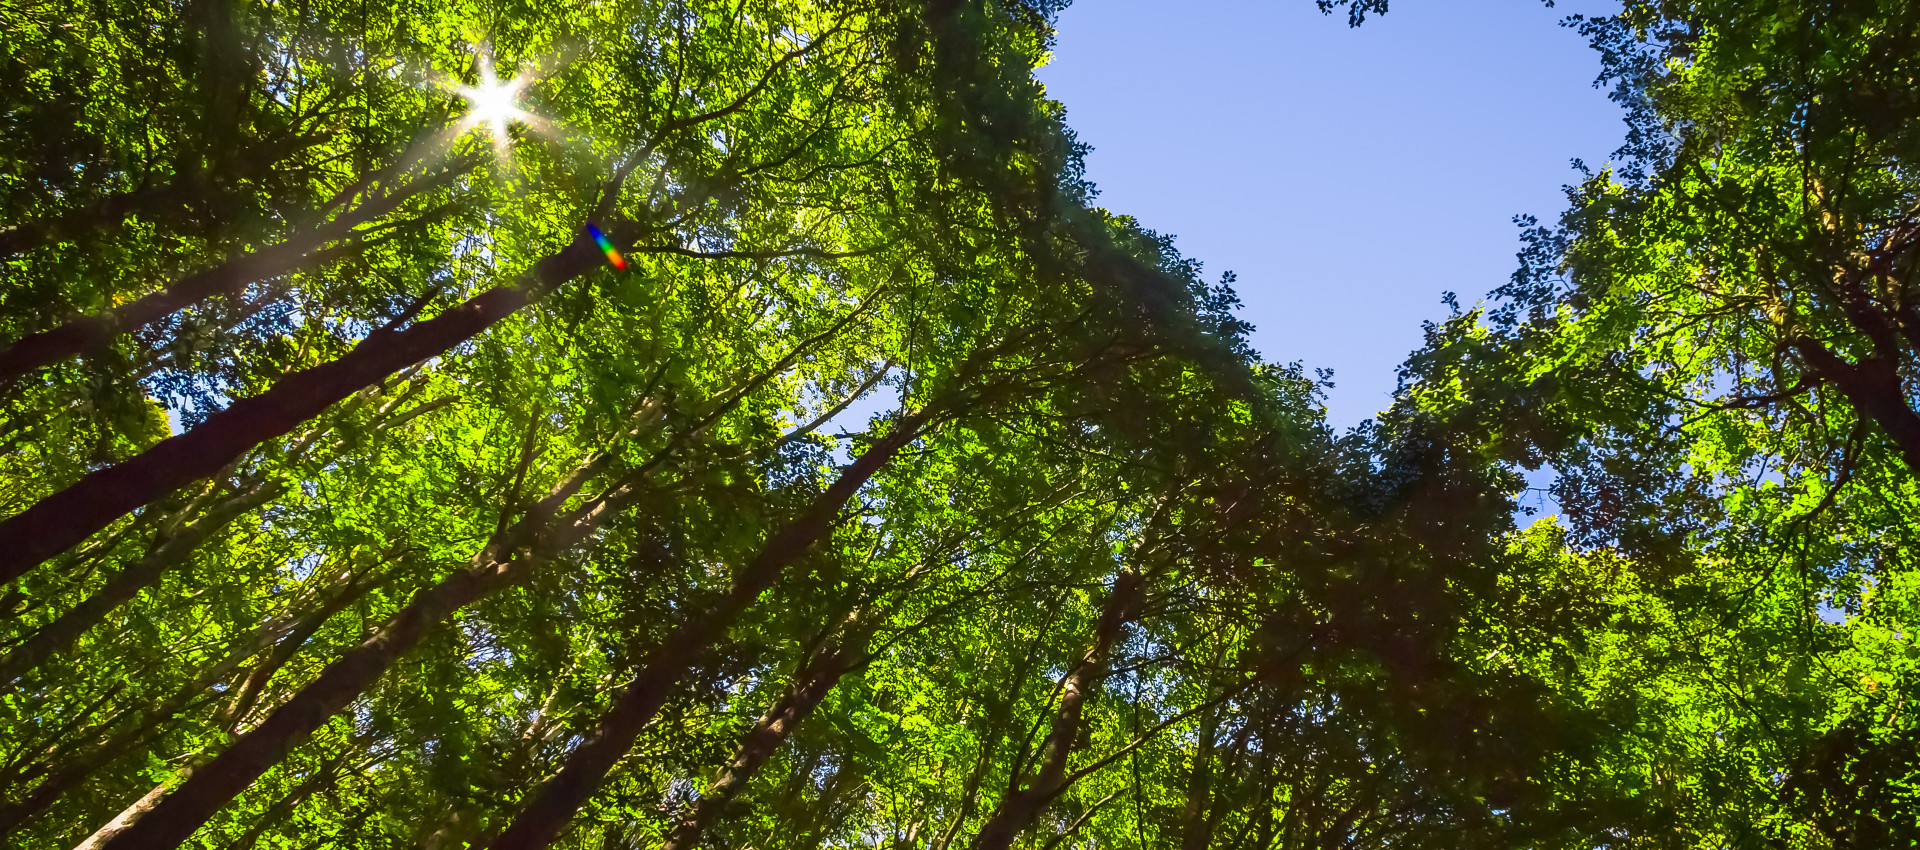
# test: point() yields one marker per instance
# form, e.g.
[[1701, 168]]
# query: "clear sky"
[[1349, 176]]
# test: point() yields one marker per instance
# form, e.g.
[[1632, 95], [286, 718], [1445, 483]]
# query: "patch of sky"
[[302, 567], [1535, 501], [1349, 176], [856, 416], [1830, 613]]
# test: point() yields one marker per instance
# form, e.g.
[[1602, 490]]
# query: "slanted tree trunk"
[[554, 803], [59, 635], [26, 765], [513, 555], [288, 647], [87, 332], [176, 546], [62, 520], [75, 767], [1000, 710], [105, 214], [454, 833], [811, 685], [276, 814], [130, 815], [1020, 808], [510, 558]]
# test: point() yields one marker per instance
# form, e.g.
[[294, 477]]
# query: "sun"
[[494, 104]]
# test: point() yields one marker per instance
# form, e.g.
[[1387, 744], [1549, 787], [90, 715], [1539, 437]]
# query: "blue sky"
[[1349, 176]]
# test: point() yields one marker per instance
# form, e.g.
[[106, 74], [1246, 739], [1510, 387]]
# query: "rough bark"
[[1020, 808], [59, 635], [64, 519], [556, 801]]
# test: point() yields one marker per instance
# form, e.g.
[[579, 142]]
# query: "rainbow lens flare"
[[600, 239]]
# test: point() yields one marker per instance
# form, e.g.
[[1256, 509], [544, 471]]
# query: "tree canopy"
[[672, 424]]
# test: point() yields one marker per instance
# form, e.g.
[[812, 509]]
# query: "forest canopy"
[[674, 424]]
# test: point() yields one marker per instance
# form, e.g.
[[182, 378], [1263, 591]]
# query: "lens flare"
[[600, 239]]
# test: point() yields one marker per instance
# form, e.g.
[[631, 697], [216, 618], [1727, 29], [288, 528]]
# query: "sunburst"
[[495, 104]]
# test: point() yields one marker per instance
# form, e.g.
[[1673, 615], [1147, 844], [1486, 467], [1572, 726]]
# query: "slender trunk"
[[555, 803], [814, 682], [455, 832], [175, 818], [848, 778], [276, 814], [1196, 829], [104, 214], [75, 768], [175, 548], [288, 647], [999, 716], [58, 636], [1078, 822], [78, 335], [25, 766], [1227, 798], [59, 521], [128, 816], [1875, 390], [1023, 806], [182, 812], [509, 558]]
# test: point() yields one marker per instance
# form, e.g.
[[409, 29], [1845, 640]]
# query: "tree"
[[1710, 351], [883, 491]]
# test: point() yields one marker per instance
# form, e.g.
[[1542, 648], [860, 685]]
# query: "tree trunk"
[[174, 819], [103, 215], [1023, 806], [127, 817], [1874, 388], [815, 680], [290, 646], [78, 335], [999, 716], [454, 833], [58, 636], [1196, 829], [25, 766], [66, 518], [555, 803], [276, 814], [175, 547], [77, 767], [510, 557]]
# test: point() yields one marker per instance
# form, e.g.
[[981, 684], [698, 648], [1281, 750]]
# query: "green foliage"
[[1713, 351], [890, 495]]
